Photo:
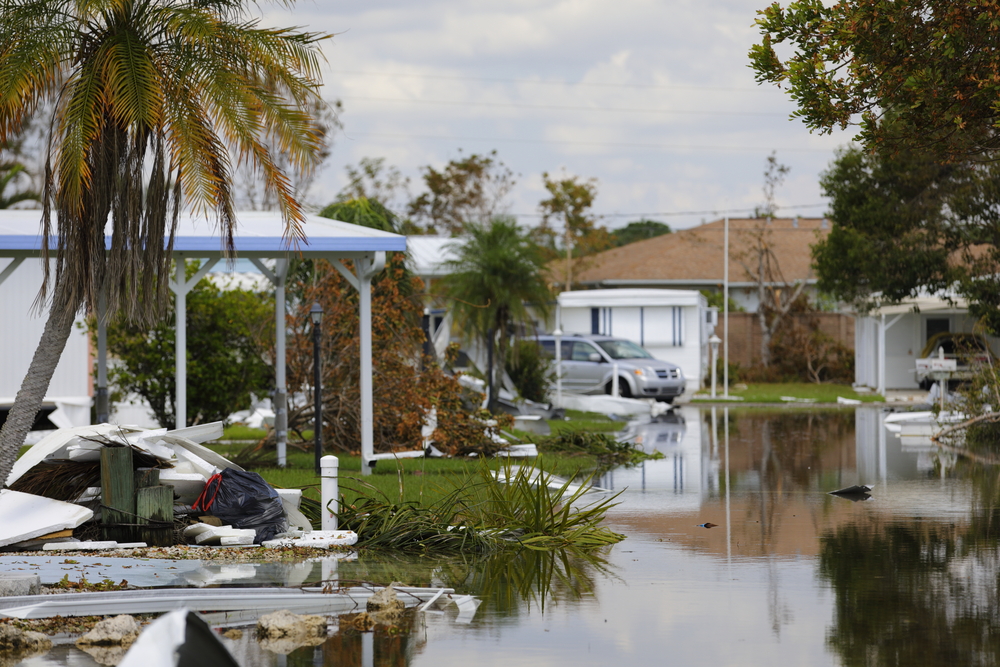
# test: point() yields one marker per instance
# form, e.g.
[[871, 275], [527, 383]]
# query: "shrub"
[[530, 370]]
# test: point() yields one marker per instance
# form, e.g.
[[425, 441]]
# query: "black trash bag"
[[244, 500]]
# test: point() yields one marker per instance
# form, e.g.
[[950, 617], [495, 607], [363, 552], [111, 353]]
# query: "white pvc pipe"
[[614, 380], [329, 492]]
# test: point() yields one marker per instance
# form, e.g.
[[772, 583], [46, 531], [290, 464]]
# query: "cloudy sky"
[[653, 99]]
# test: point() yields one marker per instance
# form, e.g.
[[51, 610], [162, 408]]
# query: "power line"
[[596, 144], [558, 107], [646, 86], [666, 214]]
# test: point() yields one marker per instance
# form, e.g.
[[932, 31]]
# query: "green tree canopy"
[[496, 274], [912, 72], [640, 230], [468, 190], [229, 333], [905, 221]]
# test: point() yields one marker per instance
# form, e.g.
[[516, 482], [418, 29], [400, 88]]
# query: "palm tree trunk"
[[36, 383]]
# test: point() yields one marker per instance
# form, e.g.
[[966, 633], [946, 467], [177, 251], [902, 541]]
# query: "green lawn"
[[773, 393], [418, 480]]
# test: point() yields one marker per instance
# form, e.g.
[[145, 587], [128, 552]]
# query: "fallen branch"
[[962, 451]]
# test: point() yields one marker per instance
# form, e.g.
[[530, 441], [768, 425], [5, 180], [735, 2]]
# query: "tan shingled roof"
[[696, 254]]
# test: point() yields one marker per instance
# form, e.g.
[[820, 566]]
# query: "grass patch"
[[585, 421], [403, 480], [773, 393], [241, 432], [483, 515]]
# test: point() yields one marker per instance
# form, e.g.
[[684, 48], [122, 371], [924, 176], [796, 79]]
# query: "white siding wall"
[[20, 330]]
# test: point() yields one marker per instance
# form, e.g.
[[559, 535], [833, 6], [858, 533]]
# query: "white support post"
[[180, 287], [615, 389], [280, 401], [180, 345], [725, 309], [329, 491], [367, 400], [367, 267], [10, 268]]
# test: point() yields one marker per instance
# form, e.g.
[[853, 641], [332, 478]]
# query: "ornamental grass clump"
[[515, 507]]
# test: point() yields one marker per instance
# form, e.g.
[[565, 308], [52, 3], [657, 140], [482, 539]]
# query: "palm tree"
[[498, 271], [153, 103]]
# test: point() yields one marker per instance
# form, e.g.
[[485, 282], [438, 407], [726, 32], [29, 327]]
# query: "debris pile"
[[134, 487]]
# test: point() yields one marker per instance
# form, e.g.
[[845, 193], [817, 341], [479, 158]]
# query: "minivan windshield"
[[623, 349]]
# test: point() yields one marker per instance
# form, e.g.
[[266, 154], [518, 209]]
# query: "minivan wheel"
[[624, 390]]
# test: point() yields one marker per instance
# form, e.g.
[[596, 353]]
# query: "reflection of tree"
[[512, 581], [787, 454], [506, 582], [912, 593]]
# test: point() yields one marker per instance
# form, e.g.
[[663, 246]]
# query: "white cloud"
[[688, 128]]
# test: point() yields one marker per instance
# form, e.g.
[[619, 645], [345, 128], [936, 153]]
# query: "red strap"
[[204, 503]]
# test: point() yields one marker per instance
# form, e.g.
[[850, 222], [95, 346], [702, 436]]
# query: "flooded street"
[[788, 574]]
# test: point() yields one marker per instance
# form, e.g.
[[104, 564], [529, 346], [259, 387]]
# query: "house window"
[[936, 325]]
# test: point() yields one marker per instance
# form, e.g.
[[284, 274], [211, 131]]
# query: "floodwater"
[[788, 575]]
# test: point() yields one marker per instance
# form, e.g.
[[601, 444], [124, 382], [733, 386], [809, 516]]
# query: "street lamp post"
[[714, 343], [316, 315]]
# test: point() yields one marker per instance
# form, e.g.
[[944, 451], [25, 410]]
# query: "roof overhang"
[[258, 234]]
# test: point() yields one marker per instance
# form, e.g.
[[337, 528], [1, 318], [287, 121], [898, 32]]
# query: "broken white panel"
[[26, 516], [467, 606], [173, 440], [518, 451], [536, 477], [82, 451], [200, 433], [410, 454], [196, 463], [53, 446], [290, 501], [257, 600], [187, 485], [612, 405], [92, 545], [429, 426], [319, 539], [205, 534], [179, 633]]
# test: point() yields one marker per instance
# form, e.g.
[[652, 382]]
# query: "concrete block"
[[19, 583]]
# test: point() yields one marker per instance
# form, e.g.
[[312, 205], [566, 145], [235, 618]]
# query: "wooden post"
[[146, 477], [117, 492], [156, 503]]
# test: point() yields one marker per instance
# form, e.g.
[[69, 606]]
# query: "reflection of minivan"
[[588, 361]]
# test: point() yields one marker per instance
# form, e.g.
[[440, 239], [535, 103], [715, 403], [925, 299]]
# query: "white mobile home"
[[887, 342], [21, 329], [673, 325]]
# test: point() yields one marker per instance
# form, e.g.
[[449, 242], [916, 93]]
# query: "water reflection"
[[789, 573]]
